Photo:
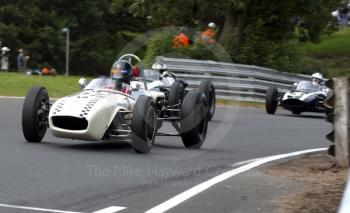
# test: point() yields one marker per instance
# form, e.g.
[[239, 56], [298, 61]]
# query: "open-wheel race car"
[[107, 109], [159, 78], [304, 97]]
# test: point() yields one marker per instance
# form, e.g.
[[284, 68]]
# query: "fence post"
[[341, 121]]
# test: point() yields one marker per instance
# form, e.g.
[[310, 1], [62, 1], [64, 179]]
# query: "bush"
[[161, 45]]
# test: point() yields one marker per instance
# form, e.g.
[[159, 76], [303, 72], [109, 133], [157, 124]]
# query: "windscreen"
[[151, 75], [308, 87], [101, 83]]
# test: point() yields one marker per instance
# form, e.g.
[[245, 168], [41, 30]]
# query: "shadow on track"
[[312, 116], [180, 147], [93, 146]]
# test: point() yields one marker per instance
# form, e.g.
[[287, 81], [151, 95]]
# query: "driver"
[[122, 72], [317, 79]]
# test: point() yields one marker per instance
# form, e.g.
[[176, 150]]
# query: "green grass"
[[331, 56], [17, 84], [224, 102], [335, 44]]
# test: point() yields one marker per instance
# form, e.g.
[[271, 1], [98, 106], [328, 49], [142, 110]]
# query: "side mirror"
[[82, 83]]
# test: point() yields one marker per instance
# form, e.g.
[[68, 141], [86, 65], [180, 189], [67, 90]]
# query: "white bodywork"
[[156, 79], [305, 89], [300, 95], [98, 107], [306, 96]]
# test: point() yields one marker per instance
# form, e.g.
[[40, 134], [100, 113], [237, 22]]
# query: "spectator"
[[21, 60], [342, 16], [5, 58], [207, 36], [181, 40]]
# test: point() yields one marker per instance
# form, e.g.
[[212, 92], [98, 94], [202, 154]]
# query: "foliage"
[[160, 44], [98, 30], [260, 32], [330, 57], [335, 44]]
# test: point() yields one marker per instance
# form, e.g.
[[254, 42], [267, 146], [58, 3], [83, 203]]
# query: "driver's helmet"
[[212, 25], [122, 71], [159, 67], [317, 78]]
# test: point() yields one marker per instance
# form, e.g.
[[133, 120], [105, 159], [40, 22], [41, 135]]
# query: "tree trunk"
[[232, 31]]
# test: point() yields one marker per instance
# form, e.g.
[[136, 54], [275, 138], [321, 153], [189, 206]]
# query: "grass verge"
[[225, 102], [331, 56], [335, 44], [18, 84]]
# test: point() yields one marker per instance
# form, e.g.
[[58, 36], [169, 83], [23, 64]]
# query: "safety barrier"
[[232, 81]]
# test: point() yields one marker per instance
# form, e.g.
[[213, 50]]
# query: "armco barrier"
[[232, 81]]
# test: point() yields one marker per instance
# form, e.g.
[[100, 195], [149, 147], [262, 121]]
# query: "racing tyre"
[[143, 127], [271, 101], [35, 114], [208, 89], [176, 93], [194, 123]]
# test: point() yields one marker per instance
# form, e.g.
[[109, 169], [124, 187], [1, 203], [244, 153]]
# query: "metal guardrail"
[[232, 81]]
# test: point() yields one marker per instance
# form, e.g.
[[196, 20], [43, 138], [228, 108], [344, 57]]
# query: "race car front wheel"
[[176, 93], [271, 101], [35, 114], [208, 89], [194, 123], [143, 127]]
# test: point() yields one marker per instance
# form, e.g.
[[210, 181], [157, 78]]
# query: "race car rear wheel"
[[143, 125], [35, 114], [271, 101], [176, 93], [208, 89], [194, 123]]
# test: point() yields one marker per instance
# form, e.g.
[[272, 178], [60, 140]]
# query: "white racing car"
[[159, 78], [304, 97], [101, 112]]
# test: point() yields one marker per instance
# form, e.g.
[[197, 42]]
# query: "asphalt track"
[[81, 176]]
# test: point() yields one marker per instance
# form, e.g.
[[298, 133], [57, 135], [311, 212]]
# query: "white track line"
[[35, 209], [245, 162], [165, 206], [11, 97], [111, 209]]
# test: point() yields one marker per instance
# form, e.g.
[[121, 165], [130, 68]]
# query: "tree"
[[252, 31], [99, 29]]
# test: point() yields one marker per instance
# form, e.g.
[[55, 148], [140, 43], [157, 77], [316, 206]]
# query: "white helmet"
[[5, 49], [212, 25], [317, 76], [159, 66]]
